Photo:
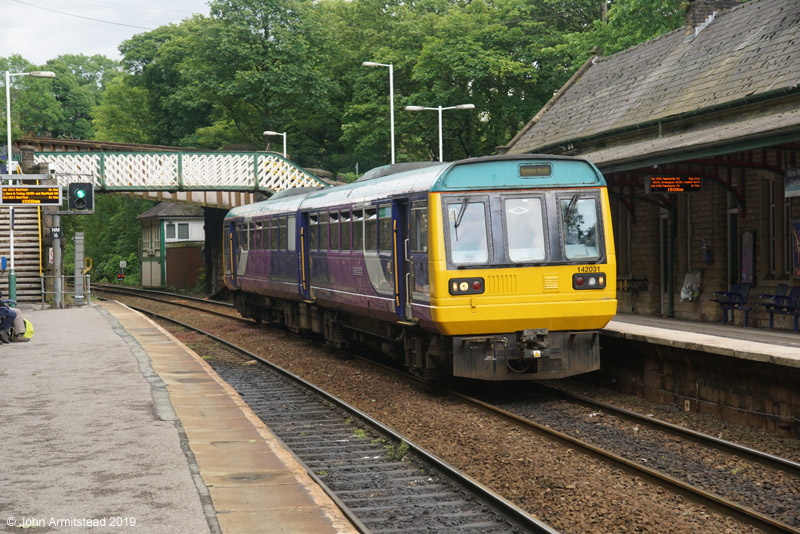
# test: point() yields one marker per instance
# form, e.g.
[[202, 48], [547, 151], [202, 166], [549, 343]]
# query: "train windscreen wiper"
[[461, 213]]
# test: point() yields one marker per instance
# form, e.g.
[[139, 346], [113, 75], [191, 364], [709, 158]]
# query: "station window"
[[313, 232], [419, 226], [170, 231], [385, 233], [371, 229], [282, 233], [183, 230], [334, 226], [344, 223], [469, 241], [524, 229], [579, 226], [358, 229]]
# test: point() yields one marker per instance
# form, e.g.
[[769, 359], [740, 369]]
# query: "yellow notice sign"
[[30, 195]]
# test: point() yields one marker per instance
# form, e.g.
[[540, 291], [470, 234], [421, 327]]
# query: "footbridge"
[[216, 180]]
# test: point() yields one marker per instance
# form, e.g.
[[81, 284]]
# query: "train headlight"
[[589, 281], [466, 286]]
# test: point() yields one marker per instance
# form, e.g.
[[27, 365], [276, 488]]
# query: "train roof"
[[491, 172]]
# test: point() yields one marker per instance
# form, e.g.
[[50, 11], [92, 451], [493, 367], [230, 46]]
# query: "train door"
[[403, 268], [230, 246], [304, 267]]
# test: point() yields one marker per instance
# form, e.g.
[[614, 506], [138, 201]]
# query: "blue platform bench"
[[733, 300]]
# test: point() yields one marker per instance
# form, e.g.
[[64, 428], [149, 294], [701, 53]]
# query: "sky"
[[39, 30]]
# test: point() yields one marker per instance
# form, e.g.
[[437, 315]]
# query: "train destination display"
[[30, 195], [672, 184]]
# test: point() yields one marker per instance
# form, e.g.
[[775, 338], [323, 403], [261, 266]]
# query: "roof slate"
[[747, 51]]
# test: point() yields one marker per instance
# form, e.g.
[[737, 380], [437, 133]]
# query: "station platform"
[[779, 347], [110, 424]]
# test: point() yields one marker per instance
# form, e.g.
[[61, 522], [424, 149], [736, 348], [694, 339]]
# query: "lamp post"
[[391, 97], [270, 132], [12, 275], [440, 109]]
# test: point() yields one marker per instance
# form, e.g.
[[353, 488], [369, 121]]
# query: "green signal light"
[[80, 193]]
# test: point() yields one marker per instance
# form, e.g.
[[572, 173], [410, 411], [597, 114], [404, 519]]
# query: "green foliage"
[[111, 235]]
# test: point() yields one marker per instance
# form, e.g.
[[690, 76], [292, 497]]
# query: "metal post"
[[79, 257], [441, 150], [391, 105], [12, 275], [58, 301]]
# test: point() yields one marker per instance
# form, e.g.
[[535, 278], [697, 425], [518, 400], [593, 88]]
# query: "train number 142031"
[[589, 269]]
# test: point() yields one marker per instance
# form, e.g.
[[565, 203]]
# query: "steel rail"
[[710, 500], [516, 514], [769, 460], [697, 495]]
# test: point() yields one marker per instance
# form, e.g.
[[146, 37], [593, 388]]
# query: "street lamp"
[[12, 275], [270, 132], [391, 97], [440, 109]]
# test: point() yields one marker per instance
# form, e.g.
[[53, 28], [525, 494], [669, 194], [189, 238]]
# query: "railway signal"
[[81, 196]]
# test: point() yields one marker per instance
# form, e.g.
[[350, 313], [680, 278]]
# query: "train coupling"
[[532, 343]]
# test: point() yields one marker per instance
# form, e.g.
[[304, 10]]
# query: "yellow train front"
[[495, 268], [522, 267]]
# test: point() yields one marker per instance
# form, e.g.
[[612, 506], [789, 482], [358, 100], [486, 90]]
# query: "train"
[[495, 268]]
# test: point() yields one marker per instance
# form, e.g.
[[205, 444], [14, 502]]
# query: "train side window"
[[344, 223], [385, 234], [291, 233], [323, 231], [239, 236], [259, 235], [282, 233], [419, 226], [245, 236], [334, 226], [469, 242], [313, 232], [371, 229], [524, 229], [579, 224], [358, 229], [273, 234]]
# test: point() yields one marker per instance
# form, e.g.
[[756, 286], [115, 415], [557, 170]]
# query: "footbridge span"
[[216, 180]]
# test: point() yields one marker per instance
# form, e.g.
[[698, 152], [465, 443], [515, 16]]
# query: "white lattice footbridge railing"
[[179, 171]]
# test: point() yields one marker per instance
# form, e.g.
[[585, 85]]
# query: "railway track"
[[627, 454], [383, 482]]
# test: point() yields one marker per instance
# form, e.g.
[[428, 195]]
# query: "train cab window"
[[282, 233], [273, 234], [313, 232], [524, 229], [419, 226], [323, 231], [334, 227], [371, 229], [358, 229], [579, 223], [344, 223], [291, 233], [385, 234], [469, 240]]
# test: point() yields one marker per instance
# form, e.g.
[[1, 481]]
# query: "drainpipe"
[[673, 228]]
